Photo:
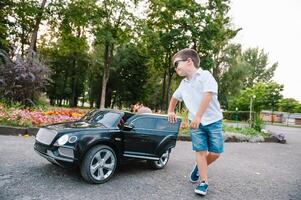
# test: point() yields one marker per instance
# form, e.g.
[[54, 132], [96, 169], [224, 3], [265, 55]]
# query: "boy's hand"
[[195, 123], [172, 117]]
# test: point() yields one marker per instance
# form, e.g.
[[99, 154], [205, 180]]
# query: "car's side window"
[[164, 124], [145, 123]]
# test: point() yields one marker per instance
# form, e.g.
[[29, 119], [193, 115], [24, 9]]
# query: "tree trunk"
[[74, 85], [168, 92], [169, 77], [34, 36], [108, 56], [163, 90]]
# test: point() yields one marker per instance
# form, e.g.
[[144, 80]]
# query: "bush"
[[244, 131], [257, 123], [238, 115], [22, 81], [184, 128]]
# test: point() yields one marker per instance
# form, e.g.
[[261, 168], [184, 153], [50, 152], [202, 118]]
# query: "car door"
[[140, 140], [150, 135], [165, 134]]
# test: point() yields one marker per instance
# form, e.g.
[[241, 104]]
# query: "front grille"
[[45, 136]]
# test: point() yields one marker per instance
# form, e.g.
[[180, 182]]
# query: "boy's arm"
[[203, 106], [172, 118]]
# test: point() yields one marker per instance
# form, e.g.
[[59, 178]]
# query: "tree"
[[174, 25], [233, 75], [127, 86], [5, 6], [34, 35], [239, 68], [110, 27], [94, 75], [289, 105], [163, 36], [258, 70], [22, 18], [266, 96], [213, 39], [68, 56]]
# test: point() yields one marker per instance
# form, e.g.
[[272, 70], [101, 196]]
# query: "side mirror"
[[128, 127]]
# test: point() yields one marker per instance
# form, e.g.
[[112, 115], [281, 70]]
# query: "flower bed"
[[36, 118]]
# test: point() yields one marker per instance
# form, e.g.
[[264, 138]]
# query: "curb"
[[17, 131], [272, 139]]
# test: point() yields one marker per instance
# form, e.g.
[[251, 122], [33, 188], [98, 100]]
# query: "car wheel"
[[99, 164], [161, 163]]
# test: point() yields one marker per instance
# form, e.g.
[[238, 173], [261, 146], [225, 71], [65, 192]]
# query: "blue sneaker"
[[194, 174], [201, 188]]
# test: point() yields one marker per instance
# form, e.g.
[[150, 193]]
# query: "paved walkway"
[[245, 171]]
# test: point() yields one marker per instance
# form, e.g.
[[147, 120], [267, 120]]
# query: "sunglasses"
[[177, 63]]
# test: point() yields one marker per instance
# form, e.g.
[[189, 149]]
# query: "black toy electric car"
[[102, 138]]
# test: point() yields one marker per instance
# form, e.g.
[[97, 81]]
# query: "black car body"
[[102, 138]]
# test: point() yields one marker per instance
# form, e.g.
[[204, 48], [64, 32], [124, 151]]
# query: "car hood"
[[74, 126]]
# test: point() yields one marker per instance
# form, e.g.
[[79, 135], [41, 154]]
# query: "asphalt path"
[[244, 171]]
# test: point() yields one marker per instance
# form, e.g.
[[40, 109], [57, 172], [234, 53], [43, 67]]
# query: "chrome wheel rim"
[[163, 159], [102, 164]]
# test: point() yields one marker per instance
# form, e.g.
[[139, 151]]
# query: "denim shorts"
[[208, 138]]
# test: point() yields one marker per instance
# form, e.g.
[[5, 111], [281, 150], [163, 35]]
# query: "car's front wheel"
[[161, 163], [99, 164]]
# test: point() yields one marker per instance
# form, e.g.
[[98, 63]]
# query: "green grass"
[[243, 131]]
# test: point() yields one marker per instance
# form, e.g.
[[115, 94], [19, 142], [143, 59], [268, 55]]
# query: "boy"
[[198, 90], [140, 108]]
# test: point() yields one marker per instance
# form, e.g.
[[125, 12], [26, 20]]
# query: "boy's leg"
[[201, 160], [215, 147], [211, 157], [200, 146], [215, 141], [201, 157], [215, 144]]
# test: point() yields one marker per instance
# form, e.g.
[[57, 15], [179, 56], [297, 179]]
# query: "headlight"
[[62, 140]]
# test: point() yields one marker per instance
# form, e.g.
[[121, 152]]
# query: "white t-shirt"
[[192, 92]]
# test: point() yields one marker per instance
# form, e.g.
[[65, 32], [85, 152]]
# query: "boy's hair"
[[188, 53]]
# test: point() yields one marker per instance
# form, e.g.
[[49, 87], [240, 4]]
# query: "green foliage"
[[257, 123], [129, 76], [174, 25], [68, 58], [234, 73], [22, 80], [22, 16], [242, 70], [262, 95], [11, 104], [245, 131], [289, 105], [183, 113], [16, 123], [257, 67], [237, 115], [94, 47], [5, 6]]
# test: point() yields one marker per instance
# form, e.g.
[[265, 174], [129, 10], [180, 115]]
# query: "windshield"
[[106, 118]]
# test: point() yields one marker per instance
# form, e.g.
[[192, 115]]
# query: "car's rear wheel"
[[161, 163], [99, 164]]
